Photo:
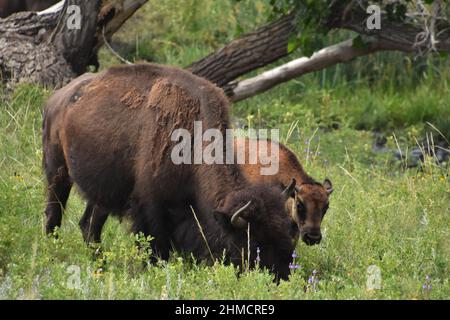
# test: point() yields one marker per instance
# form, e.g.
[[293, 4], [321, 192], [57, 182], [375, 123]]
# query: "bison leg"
[[92, 222], [59, 185], [149, 220]]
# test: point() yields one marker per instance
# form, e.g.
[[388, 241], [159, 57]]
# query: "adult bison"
[[8, 7], [109, 134]]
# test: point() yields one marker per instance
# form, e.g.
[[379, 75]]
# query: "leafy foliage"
[[312, 17]]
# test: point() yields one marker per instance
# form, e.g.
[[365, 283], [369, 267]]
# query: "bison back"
[[116, 135]]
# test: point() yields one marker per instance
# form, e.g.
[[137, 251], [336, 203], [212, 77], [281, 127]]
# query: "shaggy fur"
[[110, 135], [306, 208]]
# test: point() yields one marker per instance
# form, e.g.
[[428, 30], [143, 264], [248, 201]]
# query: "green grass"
[[380, 214], [395, 90]]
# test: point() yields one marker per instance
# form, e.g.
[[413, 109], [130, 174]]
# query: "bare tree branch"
[[399, 36], [338, 53], [247, 53]]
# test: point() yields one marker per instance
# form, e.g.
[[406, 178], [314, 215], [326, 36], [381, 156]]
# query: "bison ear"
[[290, 189], [328, 185], [221, 217]]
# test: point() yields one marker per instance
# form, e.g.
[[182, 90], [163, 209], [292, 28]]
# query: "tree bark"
[[252, 51], [26, 56], [240, 57], [8, 7], [34, 47], [41, 48], [338, 53]]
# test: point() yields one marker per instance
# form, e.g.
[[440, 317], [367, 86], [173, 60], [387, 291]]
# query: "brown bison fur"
[[110, 135], [307, 206], [8, 7], [309, 202]]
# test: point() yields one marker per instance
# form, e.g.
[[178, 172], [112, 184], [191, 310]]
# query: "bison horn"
[[237, 221], [288, 191]]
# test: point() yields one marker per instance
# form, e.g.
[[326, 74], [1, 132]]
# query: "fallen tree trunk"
[[8, 7], [408, 36], [247, 53], [329, 56], [44, 48], [36, 48], [326, 57]]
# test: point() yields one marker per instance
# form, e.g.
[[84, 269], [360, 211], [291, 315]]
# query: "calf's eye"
[[301, 211]]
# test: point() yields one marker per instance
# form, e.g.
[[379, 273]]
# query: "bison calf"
[[310, 199]]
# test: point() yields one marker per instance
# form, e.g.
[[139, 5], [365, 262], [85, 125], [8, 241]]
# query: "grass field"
[[381, 214]]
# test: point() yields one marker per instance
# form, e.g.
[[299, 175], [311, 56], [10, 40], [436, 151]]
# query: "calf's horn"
[[237, 221]]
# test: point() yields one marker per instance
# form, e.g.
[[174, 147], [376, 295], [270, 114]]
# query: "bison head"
[[308, 205], [259, 210]]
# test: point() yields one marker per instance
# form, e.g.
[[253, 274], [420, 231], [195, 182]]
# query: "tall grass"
[[380, 213], [393, 88]]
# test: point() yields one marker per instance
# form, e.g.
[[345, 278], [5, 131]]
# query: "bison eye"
[[301, 210]]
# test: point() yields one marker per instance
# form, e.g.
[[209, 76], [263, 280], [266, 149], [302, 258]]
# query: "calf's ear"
[[328, 185]]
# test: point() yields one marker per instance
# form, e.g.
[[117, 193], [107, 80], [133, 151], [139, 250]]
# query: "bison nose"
[[312, 238]]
